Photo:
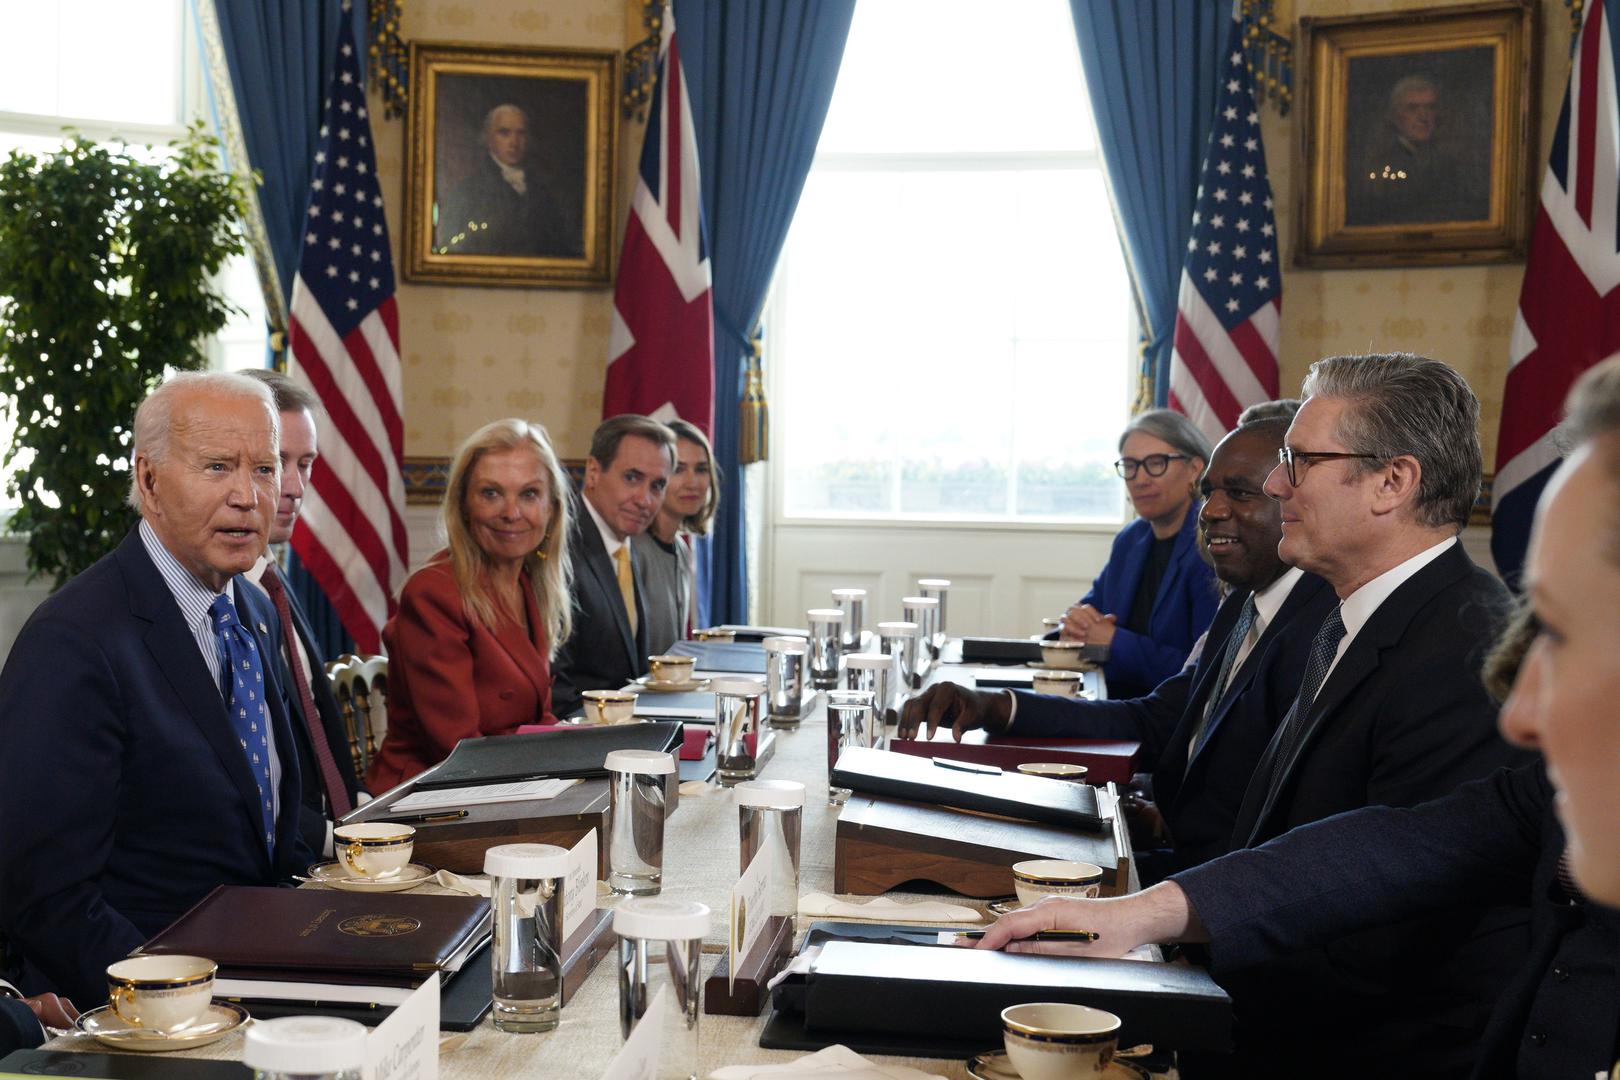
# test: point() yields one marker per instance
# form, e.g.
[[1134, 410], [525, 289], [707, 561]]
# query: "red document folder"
[[1108, 761]]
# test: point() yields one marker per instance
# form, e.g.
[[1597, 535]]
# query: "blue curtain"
[[1152, 68], [279, 55], [761, 74]]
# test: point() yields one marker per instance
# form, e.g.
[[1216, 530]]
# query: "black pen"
[[1042, 935], [422, 819]]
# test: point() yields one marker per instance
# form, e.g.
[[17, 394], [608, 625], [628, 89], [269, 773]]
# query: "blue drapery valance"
[[761, 74], [1152, 69]]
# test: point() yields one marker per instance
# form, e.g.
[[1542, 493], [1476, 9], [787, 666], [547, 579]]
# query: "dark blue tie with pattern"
[[244, 701]]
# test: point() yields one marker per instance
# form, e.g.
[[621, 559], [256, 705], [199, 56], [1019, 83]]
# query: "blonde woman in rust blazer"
[[469, 652]]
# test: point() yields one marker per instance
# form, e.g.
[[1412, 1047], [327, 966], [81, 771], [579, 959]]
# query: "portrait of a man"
[[509, 200], [1419, 138]]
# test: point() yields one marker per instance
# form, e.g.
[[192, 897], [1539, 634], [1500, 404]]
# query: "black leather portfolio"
[[735, 657], [898, 990], [118, 1066], [923, 779], [1006, 650], [576, 752]]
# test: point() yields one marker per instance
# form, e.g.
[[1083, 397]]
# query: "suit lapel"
[[175, 653], [1383, 631], [282, 711], [524, 648], [1168, 585], [607, 578]]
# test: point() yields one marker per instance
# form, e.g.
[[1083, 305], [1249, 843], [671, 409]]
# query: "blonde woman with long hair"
[[471, 646]]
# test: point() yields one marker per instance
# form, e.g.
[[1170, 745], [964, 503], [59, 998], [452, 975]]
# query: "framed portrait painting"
[[1417, 136], [509, 165]]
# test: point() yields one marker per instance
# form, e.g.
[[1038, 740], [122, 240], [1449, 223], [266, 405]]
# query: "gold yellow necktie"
[[627, 583]]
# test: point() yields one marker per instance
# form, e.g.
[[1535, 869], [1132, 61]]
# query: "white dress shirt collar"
[[513, 177], [610, 540]]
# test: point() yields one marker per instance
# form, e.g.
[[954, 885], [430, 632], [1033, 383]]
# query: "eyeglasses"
[[1288, 456], [1155, 464]]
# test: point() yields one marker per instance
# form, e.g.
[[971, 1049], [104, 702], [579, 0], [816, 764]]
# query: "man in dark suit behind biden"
[[145, 752]]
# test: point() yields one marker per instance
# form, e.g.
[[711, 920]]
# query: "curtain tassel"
[[754, 412], [387, 50]]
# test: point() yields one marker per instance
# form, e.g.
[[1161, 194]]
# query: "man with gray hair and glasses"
[[1377, 477]]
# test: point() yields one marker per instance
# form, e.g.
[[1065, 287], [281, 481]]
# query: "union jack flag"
[[1227, 312], [344, 344], [661, 352], [1569, 304]]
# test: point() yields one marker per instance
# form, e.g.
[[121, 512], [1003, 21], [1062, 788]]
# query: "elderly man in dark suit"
[[629, 467], [504, 207], [1378, 476], [145, 751], [1206, 727], [331, 784]]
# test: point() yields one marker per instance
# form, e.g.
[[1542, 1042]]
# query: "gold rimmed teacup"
[[1036, 879], [1063, 655], [670, 670], [1060, 683], [160, 993], [609, 706], [373, 849], [1053, 1040]]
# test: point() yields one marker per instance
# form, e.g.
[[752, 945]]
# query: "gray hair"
[[1405, 405], [1283, 408], [154, 417], [1406, 85], [489, 117], [1170, 427]]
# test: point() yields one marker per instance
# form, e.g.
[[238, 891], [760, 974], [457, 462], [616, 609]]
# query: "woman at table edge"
[[1156, 594], [668, 564], [470, 649]]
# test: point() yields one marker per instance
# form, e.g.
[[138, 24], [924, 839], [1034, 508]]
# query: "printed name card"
[[579, 887], [406, 1045], [637, 1059], [750, 909]]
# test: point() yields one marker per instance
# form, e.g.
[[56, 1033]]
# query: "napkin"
[[883, 909], [690, 788], [836, 1062], [466, 886]]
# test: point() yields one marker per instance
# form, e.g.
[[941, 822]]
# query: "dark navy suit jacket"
[[1200, 798], [1185, 603], [124, 794], [1496, 838], [19, 1028], [601, 653], [1400, 720]]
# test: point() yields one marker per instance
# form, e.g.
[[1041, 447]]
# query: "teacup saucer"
[[1077, 665], [995, 1066], [1004, 906], [334, 874], [110, 1029], [646, 683]]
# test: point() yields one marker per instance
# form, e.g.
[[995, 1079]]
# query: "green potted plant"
[[106, 263]]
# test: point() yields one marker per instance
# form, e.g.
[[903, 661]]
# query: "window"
[[952, 317], [115, 69]]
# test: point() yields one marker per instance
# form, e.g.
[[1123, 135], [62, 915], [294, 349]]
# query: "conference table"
[[700, 863]]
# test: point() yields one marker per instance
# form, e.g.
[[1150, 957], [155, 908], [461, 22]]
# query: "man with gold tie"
[[630, 463], [330, 782]]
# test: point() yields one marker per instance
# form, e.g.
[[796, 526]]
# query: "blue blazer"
[[124, 794], [1199, 798], [1182, 610], [19, 1028]]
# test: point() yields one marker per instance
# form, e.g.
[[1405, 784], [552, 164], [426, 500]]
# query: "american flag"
[[1569, 304], [661, 353], [1227, 311], [345, 346]]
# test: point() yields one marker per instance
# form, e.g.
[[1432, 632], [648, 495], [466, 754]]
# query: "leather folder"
[[735, 657], [297, 933], [1005, 650], [464, 999], [1109, 760], [576, 752], [906, 990], [1032, 798], [124, 1066]]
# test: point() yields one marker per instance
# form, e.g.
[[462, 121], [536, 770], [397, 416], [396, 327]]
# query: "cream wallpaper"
[[472, 355], [1460, 314]]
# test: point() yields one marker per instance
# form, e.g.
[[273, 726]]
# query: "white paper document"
[[444, 798], [406, 1045]]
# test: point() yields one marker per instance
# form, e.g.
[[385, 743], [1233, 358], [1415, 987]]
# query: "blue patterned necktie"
[[244, 701], [1234, 645], [1323, 649]]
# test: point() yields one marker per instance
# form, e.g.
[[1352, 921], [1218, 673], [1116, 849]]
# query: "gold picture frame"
[[509, 175], [1417, 136]]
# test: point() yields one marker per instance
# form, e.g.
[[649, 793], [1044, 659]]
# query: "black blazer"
[[1402, 719], [1558, 1014], [312, 821], [1199, 798], [124, 794], [601, 653]]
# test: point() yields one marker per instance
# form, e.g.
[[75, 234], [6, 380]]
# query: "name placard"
[[750, 908], [637, 1059], [406, 1045], [579, 887]]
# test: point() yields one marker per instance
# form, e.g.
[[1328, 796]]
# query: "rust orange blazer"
[[451, 678]]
